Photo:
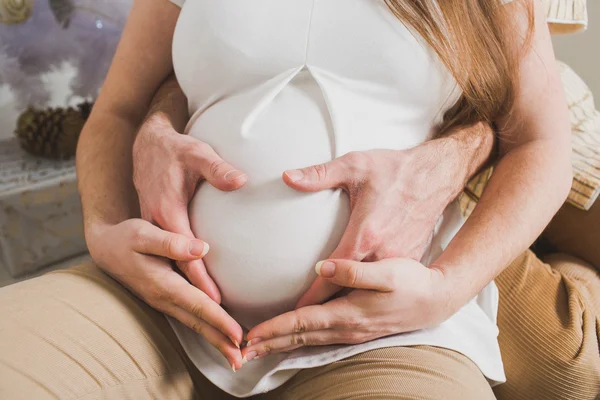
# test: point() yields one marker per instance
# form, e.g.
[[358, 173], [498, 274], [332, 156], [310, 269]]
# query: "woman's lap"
[[418, 372], [79, 334]]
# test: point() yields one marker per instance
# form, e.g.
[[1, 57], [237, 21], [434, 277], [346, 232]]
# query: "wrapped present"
[[40, 210]]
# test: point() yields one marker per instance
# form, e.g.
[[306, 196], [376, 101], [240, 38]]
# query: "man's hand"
[[390, 296], [396, 197], [167, 169], [135, 253]]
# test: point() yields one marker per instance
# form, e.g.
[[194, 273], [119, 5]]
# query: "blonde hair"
[[470, 37]]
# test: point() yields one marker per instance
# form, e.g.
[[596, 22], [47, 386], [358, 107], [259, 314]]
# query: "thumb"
[[176, 220], [357, 275], [333, 174], [222, 175], [317, 293]]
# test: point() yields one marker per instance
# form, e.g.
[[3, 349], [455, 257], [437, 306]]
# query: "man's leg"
[[549, 320], [577, 232], [78, 334], [392, 373]]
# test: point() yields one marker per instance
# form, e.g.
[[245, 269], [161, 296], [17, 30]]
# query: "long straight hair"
[[473, 39]]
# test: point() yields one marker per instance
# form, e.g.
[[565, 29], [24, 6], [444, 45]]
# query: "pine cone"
[[51, 133]]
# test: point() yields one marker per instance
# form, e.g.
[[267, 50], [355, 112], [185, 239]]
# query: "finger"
[[197, 274], [318, 293], [311, 318], [216, 338], [202, 307], [287, 343], [358, 275], [322, 289], [357, 242], [152, 240], [173, 216], [214, 169], [333, 174], [177, 221], [294, 341]]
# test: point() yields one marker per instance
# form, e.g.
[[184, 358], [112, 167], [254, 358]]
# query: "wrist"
[[445, 299], [94, 230], [457, 155], [170, 106], [457, 283], [155, 132], [95, 226], [475, 144], [157, 121]]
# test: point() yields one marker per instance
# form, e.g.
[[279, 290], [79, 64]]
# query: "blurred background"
[[45, 61], [582, 50], [54, 55], [54, 52]]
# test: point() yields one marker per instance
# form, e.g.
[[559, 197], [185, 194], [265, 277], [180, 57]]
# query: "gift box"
[[40, 211]]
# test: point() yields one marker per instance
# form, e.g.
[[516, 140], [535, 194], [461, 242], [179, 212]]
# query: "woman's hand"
[[135, 253], [396, 197], [167, 169], [390, 296]]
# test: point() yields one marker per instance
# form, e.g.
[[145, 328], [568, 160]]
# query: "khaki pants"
[[78, 334], [577, 232]]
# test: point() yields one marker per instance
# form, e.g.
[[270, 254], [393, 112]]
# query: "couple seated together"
[[270, 200]]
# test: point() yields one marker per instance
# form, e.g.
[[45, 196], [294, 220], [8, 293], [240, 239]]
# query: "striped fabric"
[[549, 322], [566, 16], [585, 123]]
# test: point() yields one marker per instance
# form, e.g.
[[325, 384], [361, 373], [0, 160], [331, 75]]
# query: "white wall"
[[582, 51]]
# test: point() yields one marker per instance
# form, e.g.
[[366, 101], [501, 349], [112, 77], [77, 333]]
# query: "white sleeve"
[[178, 2]]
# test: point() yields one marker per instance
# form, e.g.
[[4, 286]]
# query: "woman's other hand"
[[137, 253], [390, 296], [167, 169], [396, 196]]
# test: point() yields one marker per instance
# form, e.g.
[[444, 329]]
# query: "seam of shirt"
[[310, 20]]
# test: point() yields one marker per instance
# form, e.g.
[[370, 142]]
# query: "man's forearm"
[[104, 169], [169, 106], [474, 145], [465, 151], [104, 156]]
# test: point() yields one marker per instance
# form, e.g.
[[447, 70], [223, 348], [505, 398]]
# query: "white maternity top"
[[280, 84]]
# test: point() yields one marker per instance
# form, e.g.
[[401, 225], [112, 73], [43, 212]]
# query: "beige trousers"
[[78, 334], [577, 232]]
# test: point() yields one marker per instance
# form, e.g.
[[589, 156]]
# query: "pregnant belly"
[[266, 237]]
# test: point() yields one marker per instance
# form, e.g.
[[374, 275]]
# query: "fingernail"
[[232, 175], [198, 248], [232, 367], [253, 341], [261, 355], [249, 357], [325, 268], [295, 174], [236, 343]]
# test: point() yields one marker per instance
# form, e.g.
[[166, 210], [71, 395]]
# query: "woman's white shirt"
[[274, 85]]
